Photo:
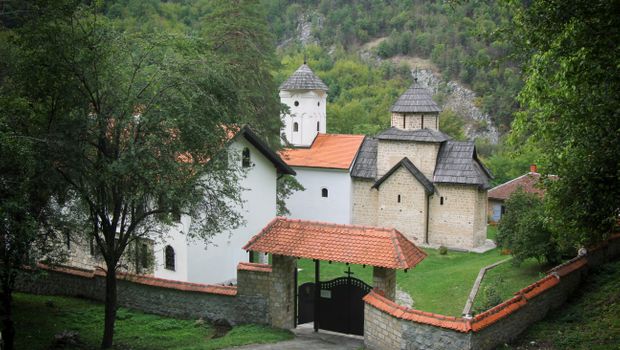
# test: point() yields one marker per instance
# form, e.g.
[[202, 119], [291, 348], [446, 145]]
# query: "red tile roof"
[[363, 245], [527, 182], [246, 266], [333, 151]]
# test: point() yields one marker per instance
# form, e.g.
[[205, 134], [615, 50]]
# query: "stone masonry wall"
[[247, 304], [364, 200], [453, 223], [414, 329], [282, 291], [422, 154], [408, 216]]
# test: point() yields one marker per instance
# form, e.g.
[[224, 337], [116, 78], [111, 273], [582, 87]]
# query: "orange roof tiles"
[[498, 312], [527, 182], [361, 245], [246, 266], [334, 151]]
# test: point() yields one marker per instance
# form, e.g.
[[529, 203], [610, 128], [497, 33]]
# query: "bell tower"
[[415, 109], [306, 96]]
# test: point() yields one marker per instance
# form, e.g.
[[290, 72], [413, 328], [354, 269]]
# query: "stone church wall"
[[457, 223], [422, 154], [408, 216], [364, 203]]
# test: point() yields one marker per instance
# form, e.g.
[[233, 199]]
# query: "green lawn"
[[38, 318], [590, 320], [508, 278]]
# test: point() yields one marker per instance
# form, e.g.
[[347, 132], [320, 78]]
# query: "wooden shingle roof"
[[418, 135], [458, 163], [304, 79], [365, 166], [416, 99]]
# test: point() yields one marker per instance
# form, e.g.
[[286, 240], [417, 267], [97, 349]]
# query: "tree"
[[523, 229], [136, 128], [452, 124], [571, 110]]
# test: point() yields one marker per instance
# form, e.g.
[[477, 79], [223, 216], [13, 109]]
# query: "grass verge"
[[38, 318]]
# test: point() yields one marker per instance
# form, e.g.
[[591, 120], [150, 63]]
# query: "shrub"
[[443, 250], [490, 297]]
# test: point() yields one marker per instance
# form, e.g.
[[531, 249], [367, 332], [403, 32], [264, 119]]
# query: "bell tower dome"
[[306, 96], [415, 109]]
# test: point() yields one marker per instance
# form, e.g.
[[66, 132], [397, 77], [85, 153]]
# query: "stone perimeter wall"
[[246, 303], [390, 326]]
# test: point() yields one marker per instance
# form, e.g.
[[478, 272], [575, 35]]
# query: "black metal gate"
[[341, 308]]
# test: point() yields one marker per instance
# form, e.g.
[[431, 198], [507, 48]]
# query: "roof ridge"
[[513, 180], [335, 224]]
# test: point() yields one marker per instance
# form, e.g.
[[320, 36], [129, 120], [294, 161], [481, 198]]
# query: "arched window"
[[318, 126], [245, 158], [295, 127], [318, 103], [169, 255], [296, 103], [324, 193]]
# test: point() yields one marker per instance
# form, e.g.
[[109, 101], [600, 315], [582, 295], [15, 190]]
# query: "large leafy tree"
[[571, 111], [135, 127]]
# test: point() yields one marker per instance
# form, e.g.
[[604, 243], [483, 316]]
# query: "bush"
[[443, 250], [490, 297], [523, 229]]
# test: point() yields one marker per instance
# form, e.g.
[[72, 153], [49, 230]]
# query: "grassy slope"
[[38, 318], [590, 320]]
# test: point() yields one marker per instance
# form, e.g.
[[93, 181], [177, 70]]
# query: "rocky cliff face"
[[461, 100]]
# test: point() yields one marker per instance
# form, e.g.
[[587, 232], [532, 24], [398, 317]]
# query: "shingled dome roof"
[[415, 100], [304, 79]]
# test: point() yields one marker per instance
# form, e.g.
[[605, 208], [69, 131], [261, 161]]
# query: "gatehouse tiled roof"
[[362, 245], [304, 79], [458, 163], [333, 151], [419, 135], [416, 99]]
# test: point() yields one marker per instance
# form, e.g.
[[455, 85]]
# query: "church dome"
[[416, 99], [304, 79]]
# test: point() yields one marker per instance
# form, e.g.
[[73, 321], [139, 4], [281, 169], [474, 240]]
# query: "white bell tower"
[[306, 96]]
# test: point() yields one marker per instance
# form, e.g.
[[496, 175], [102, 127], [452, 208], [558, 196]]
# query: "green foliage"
[[459, 37], [572, 111], [452, 124], [524, 231], [443, 250], [490, 297], [507, 164], [39, 318]]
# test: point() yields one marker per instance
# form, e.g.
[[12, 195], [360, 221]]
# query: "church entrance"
[[340, 307]]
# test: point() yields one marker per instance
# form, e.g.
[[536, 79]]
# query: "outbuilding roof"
[[419, 135], [528, 182], [365, 166], [416, 99], [304, 79], [458, 163], [407, 164], [333, 151], [363, 245]]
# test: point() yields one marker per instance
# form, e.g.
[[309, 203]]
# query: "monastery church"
[[411, 177]]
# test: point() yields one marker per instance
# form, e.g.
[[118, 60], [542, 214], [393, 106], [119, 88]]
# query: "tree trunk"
[[110, 308], [8, 329]]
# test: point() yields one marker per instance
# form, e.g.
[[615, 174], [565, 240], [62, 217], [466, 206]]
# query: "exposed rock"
[[461, 100], [303, 32], [65, 338]]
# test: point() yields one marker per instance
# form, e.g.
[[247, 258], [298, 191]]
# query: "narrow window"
[[404, 122], [295, 127], [169, 255], [441, 200], [503, 210], [92, 246], [176, 215], [68, 241], [144, 257], [245, 158], [422, 122], [324, 193], [318, 126], [318, 103], [398, 199], [296, 103]]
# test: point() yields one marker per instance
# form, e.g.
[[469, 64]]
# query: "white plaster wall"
[[309, 205], [216, 261], [176, 238], [311, 110]]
